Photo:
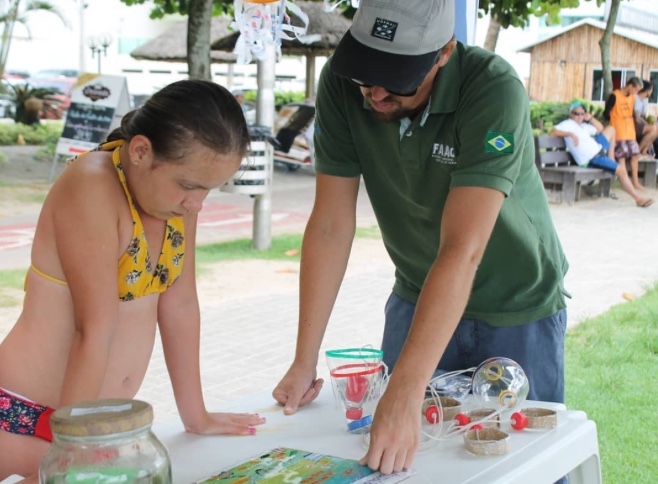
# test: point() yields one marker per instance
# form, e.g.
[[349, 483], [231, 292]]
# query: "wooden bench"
[[647, 172], [557, 167]]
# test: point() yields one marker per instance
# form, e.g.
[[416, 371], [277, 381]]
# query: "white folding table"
[[535, 456]]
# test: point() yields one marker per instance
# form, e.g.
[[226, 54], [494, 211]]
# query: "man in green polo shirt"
[[440, 133]]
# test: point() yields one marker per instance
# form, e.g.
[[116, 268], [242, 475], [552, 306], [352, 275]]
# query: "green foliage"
[[41, 134], [22, 94], [242, 249], [283, 247], [371, 232], [545, 115], [518, 12], [182, 7], [611, 362], [11, 282], [281, 98], [285, 97]]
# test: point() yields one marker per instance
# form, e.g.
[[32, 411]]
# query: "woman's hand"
[[227, 424]]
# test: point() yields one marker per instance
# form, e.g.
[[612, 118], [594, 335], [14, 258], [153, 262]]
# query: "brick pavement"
[[247, 344]]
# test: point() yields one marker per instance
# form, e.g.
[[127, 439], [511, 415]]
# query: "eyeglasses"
[[401, 94], [579, 113]]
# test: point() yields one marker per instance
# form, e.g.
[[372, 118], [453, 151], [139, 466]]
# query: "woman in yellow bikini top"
[[136, 275], [74, 340]]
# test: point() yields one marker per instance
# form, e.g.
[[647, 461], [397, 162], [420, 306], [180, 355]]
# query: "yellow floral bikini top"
[[136, 275]]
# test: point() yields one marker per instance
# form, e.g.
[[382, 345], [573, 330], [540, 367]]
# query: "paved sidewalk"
[[248, 344]]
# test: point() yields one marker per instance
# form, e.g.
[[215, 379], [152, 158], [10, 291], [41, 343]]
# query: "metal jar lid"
[[101, 417]]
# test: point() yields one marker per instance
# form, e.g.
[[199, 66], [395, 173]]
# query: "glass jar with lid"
[[105, 441]]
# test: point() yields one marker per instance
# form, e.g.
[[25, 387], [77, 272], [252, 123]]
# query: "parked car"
[[16, 74], [55, 73], [14, 78]]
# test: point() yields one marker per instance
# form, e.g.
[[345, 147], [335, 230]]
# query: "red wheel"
[[477, 427], [519, 421], [354, 413], [462, 419], [432, 414]]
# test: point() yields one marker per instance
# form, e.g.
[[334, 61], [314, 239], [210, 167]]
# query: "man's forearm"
[[561, 134], [596, 123], [323, 265]]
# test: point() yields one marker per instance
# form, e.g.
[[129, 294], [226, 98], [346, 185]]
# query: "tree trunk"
[[604, 43], [198, 39], [31, 110], [7, 33], [493, 30]]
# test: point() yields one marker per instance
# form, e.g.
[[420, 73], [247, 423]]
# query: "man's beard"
[[392, 116]]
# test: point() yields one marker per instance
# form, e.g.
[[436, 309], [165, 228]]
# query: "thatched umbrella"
[[330, 26], [171, 45]]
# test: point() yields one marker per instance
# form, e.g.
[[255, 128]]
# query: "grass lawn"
[[612, 375], [11, 282], [283, 247]]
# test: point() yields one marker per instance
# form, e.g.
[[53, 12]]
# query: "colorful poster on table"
[[98, 102], [284, 465]]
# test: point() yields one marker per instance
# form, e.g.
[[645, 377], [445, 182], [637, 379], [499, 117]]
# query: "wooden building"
[[567, 64]]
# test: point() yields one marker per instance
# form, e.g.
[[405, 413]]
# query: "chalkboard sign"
[[87, 122], [98, 102]]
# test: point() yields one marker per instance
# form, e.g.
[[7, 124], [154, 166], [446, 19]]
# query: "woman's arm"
[[179, 323], [85, 215]]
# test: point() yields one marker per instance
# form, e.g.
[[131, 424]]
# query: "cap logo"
[[384, 29]]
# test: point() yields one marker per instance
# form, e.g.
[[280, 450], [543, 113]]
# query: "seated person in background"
[[112, 258], [239, 97], [592, 146], [646, 132], [619, 110]]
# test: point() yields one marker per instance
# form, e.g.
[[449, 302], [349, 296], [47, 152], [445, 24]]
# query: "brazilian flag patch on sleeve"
[[496, 142]]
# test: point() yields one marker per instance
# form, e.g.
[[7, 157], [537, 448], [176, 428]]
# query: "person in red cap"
[[440, 134]]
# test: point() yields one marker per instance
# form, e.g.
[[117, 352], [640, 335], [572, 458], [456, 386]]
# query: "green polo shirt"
[[475, 132]]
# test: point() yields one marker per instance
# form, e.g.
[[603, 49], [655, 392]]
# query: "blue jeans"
[[537, 346]]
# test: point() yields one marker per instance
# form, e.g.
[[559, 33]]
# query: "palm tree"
[[30, 102], [17, 11]]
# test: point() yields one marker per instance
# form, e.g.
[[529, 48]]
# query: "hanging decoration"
[[331, 5], [264, 22]]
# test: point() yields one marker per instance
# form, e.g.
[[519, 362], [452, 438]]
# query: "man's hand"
[[297, 388], [394, 434]]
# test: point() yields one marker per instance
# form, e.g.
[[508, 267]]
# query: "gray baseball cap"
[[394, 43]]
